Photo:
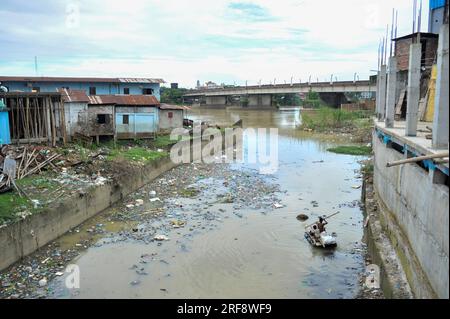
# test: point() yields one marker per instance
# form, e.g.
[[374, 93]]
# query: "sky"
[[231, 42]]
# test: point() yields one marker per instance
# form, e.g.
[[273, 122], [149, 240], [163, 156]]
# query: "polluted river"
[[227, 231]]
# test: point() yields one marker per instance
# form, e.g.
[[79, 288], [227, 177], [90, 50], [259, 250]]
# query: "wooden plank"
[[29, 140], [398, 108]]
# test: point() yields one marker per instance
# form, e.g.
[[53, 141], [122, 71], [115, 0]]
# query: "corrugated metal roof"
[[78, 79], [140, 80], [164, 106], [422, 35], [137, 100], [69, 96]]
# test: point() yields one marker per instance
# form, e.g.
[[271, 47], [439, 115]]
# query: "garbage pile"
[[19, 162]]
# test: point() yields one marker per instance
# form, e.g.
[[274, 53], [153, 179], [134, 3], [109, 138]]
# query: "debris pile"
[[19, 162]]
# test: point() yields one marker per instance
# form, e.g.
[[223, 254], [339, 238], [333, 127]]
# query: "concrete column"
[[266, 100], [413, 95], [391, 92], [216, 100], [440, 121], [382, 93], [377, 96], [253, 100]]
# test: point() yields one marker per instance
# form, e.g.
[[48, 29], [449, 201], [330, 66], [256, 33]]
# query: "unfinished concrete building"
[[411, 170]]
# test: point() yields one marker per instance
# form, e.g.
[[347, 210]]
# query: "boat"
[[325, 240]]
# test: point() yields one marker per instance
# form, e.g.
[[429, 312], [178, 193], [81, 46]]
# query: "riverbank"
[[78, 168]]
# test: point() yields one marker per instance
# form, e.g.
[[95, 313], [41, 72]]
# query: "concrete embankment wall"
[[415, 217], [26, 236]]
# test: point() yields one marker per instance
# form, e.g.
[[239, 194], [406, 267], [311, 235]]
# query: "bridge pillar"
[[382, 93], [260, 100], [216, 100], [266, 100], [413, 94], [391, 92]]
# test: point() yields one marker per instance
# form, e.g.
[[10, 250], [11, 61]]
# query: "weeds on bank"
[[326, 118], [136, 154], [351, 150]]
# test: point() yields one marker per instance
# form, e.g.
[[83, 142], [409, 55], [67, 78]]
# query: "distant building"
[[174, 85], [209, 85], [91, 86], [436, 15]]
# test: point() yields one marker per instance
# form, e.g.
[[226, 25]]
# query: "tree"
[[172, 96]]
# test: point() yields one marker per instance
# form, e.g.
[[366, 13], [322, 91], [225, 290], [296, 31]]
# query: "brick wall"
[[402, 52]]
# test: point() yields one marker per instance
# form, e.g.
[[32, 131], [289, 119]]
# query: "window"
[[126, 90], [170, 115], [126, 119], [36, 89], [147, 91], [92, 90], [102, 118]]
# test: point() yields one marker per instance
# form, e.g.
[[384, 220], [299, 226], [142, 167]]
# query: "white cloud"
[[183, 41]]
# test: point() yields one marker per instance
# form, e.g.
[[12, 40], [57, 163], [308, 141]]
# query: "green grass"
[[10, 204], [136, 154], [163, 141], [40, 183], [37, 187], [328, 118], [351, 150]]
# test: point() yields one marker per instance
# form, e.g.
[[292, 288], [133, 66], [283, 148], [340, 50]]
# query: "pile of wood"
[[19, 162], [36, 117]]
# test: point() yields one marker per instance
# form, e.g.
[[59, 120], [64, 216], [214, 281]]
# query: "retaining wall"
[[415, 216]]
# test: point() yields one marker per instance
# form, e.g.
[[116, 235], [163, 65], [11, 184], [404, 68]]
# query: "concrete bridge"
[[261, 95]]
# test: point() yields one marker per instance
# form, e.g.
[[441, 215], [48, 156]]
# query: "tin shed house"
[[171, 116], [120, 116], [136, 116]]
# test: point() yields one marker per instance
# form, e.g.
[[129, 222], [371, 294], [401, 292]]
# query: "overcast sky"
[[185, 41]]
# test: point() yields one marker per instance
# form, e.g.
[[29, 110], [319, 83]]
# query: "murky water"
[[243, 252]]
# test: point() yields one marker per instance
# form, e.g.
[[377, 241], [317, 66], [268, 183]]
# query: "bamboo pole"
[[417, 159], [323, 218], [53, 121], [63, 120]]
